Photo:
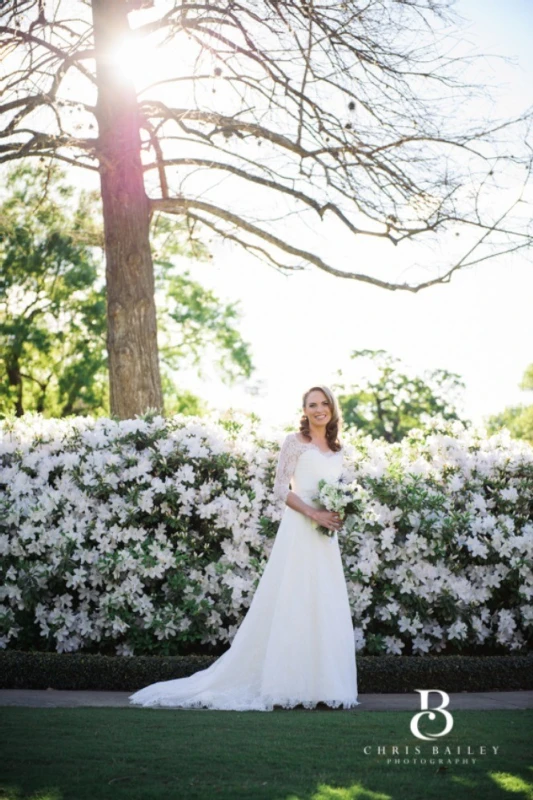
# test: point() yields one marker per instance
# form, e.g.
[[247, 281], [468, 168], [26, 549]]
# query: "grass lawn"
[[100, 753]]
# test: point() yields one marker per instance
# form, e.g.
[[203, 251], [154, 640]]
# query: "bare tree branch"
[[360, 113], [180, 205]]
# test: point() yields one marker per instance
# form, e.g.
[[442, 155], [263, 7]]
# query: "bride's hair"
[[333, 426]]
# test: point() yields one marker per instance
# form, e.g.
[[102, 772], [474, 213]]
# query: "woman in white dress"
[[295, 646]]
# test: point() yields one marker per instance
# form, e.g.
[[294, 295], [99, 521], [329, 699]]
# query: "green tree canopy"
[[388, 402], [517, 419], [53, 303]]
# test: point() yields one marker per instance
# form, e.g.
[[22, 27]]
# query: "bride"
[[295, 646]]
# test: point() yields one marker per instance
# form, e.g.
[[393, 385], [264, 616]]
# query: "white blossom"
[[85, 486]]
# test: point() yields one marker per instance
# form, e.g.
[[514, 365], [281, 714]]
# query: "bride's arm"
[[295, 501], [288, 456]]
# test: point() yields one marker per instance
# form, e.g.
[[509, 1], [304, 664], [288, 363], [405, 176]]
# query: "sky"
[[303, 327]]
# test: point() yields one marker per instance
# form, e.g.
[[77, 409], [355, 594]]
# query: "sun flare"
[[146, 61]]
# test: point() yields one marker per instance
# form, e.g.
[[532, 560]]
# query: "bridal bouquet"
[[340, 496]]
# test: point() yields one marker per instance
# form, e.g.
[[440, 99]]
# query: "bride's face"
[[317, 409]]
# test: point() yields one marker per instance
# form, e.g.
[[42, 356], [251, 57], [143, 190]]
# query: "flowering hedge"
[[150, 536]]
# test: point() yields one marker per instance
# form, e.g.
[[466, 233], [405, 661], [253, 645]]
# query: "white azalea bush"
[[441, 556], [150, 535], [144, 534]]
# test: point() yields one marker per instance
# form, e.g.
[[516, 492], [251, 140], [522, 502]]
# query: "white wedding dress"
[[296, 644]]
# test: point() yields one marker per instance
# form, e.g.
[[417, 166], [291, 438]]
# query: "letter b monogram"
[[424, 705]]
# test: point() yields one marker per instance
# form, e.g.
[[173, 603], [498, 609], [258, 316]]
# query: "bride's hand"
[[329, 519]]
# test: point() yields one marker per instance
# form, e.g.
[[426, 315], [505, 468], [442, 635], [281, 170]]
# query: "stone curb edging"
[[480, 701]]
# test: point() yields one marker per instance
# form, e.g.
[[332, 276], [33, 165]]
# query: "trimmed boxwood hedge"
[[376, 674]]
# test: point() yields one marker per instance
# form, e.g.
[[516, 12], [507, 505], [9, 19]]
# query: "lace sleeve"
[[288, 456]]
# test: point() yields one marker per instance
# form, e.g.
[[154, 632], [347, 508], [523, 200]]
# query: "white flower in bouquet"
[[340, 496]]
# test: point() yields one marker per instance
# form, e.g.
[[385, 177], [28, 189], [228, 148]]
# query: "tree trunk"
[[135, 381], [15, 379]]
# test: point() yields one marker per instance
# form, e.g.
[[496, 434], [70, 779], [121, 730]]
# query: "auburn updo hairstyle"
[[332, 427]]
